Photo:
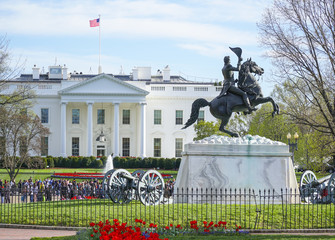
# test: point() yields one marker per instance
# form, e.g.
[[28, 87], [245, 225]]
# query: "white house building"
[[126, 115]]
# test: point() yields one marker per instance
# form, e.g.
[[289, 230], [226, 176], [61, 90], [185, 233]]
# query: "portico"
[[118, 104]]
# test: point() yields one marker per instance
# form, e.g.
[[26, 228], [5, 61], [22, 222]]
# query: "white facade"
[[68, 105]]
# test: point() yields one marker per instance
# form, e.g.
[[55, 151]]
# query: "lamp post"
[[293, 146]]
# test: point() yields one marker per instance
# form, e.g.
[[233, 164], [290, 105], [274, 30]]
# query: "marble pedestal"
[[220, 163]]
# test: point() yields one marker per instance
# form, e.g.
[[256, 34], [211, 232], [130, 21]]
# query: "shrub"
[[86, 162], [98, 164], [36, 162], [103, 160], [116, 162], [178, 161], [161, 163], [169, 163], [74, 162], [51, 162]]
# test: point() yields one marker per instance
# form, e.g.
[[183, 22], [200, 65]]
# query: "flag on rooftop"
[[95, 22]]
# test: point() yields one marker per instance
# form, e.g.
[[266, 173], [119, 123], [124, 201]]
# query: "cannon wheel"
[[105, 182], [331, 188], [307, 193], [120, 190], [150, 188], [138, 173]]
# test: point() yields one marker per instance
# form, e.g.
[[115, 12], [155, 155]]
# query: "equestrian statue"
[[242, 98]]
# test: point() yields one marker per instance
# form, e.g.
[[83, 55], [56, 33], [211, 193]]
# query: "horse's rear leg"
[[224, 122]]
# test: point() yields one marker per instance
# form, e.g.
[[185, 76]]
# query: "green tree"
[[205, 129]]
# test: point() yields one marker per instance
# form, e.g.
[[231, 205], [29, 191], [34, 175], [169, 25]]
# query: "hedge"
[[93, 162]]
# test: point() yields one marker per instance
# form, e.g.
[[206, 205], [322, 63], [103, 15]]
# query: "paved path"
[[27, 234]]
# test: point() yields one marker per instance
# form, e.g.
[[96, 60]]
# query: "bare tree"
[[300, 38], [10, 70], [21, 133]]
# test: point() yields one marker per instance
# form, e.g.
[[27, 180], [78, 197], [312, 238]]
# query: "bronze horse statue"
[[223, 107]]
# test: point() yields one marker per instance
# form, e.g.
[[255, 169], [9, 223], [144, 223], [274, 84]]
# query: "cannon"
[[122, 187], [313, 190]]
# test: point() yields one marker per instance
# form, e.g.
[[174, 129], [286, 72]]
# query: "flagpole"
[[99, 70]]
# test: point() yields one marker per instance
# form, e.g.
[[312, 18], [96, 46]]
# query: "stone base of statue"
[[218, 167]]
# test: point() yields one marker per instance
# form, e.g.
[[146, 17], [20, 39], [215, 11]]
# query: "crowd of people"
[[55, 189]]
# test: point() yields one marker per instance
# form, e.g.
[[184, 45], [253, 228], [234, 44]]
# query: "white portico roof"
[[103, 87]]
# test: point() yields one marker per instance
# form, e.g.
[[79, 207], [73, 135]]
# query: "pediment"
[[103, 85]]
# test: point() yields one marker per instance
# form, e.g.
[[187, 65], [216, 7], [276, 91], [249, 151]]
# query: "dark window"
[[157, 147], [179, 117], [179, 147], [44, 115], [126, 116], [125, 147], [75, 146], [75, 116], [157, 117], [101, 116], [201, 116]]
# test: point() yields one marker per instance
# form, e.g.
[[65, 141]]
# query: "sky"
[[190, 36]]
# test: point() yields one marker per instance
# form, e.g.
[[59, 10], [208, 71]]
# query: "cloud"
[[211, 20]]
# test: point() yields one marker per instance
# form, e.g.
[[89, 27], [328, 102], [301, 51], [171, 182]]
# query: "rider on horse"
[[229, 82]]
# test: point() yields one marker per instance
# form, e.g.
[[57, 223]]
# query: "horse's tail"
[[196, 105]]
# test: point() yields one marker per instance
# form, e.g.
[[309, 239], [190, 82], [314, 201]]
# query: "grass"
[[41, 174], [80, 213]]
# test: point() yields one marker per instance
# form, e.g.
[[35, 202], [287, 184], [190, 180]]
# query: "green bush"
[[98, 163], [74, 162], [103, 160], [178, 161], [161, 163], [116, 162], [169, 163], [86, 162], [51, 162], [154, 163]]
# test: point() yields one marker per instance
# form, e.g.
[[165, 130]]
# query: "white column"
[[116, 129], [143, 129], [89, 129], [63, 129]]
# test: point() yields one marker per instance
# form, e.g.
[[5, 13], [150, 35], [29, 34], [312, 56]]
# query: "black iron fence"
[[249, 209]]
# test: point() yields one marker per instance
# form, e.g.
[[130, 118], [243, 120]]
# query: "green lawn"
[[41, 174], [80, 213]]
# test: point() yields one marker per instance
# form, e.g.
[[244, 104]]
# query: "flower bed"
[[116, 230]]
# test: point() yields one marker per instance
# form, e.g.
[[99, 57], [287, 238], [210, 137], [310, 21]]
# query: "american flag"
[[95, 22]]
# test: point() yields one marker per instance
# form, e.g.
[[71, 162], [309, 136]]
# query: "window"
[[75, 146], [179, 147], [23, 145], [44, 146], [179, 88], [126, 117], [157, 147], [101, 116], [157, 88], [157, 117], [201, 89], [44, 115], [201, 116], [75, 116], [101, 150], [125, 147], [179, 117]]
